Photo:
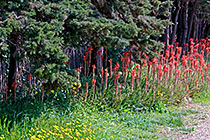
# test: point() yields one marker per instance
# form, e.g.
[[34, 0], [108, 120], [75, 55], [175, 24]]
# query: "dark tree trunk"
[[185, 22], [193, 11], [175, 22], [167, 34], [12, 65], [1, 74], [180, 26], [200, 29], [195, 26]]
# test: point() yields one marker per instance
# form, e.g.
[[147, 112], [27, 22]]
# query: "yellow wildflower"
[[79, 85]]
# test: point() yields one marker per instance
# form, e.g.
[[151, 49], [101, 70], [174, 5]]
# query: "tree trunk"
[[167, 34], [180, 26], [195, 26], [1, 74], [12, 65], [185, 22], [175, 22], [194, 9]]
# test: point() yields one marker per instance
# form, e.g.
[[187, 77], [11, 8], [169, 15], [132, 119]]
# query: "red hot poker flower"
[[85, 57], [154, 61], [14, 84], [206, 68], [191, 39], [78, 70], [133, 72], [99, 52], [90, 48], [67, 63], [137, 66], [6, 89], [179, 49], [117, 76], [146, 77], [29, 77], [102, 71], [196, 40], [125, 53], [94, 81], [86, 53], [94, 66], [110, 61]]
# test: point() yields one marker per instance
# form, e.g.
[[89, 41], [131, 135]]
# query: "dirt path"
[[197, 125]]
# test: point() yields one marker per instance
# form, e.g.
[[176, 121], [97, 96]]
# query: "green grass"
[[204, 98], [55, 118], [110, 124]]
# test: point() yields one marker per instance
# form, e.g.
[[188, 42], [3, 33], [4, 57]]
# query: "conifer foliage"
[[38, 30]]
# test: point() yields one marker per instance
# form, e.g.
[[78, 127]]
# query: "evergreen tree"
[[39, 29]]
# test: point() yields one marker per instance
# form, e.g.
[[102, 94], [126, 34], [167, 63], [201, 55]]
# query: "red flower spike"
[[154, 61], [14, 84], [6, 89], [137, 66], [99, 52], [125, 53], [29, 77], [146, 77], [94, 66], [131, 62], [78, 70], [85, 57], [186, 44], [90, 48], [116, 76], [206, 68], [191, 39], [94, 81], [102, 71], [86, 53], [110, 60], [196, 40], [133, 72]]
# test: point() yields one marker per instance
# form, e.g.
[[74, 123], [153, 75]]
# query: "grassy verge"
[[91, 121], [88, 122]]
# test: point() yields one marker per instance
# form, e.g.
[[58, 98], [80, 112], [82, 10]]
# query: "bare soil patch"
[[196, 125]]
